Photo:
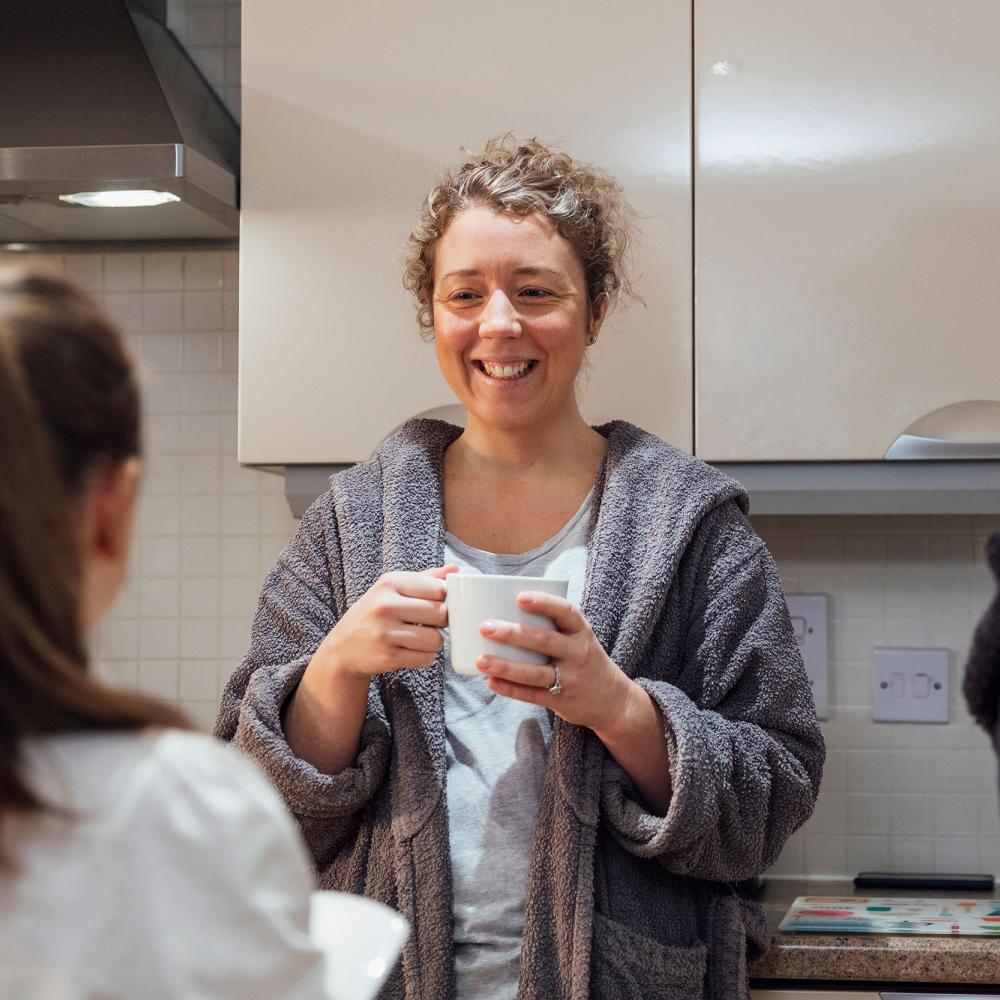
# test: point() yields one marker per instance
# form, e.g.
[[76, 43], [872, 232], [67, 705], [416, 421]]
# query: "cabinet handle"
[[911, 447], [968, 429]]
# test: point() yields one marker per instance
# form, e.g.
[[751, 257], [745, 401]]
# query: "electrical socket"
[[809, 613], [910, 685]]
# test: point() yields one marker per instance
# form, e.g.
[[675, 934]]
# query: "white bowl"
[[362, 940]]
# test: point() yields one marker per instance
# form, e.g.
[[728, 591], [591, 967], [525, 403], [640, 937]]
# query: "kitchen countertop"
[[870, 957]]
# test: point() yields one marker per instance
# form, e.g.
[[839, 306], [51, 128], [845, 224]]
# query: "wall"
[[895, 796], [899, 796]]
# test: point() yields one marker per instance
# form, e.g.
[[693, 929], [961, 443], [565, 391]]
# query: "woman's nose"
[[499, 317]]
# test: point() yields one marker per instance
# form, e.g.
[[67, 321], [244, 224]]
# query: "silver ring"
[[556, 686]]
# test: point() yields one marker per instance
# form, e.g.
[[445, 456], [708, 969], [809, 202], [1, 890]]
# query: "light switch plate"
[[910, 685], [809, 613]]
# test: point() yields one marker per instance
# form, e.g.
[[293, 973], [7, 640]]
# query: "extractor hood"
[[98, 96]]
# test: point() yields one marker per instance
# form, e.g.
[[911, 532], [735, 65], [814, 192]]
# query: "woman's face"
[[511, 317]]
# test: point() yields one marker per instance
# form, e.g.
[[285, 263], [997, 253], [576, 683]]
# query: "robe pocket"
[[626, 965]]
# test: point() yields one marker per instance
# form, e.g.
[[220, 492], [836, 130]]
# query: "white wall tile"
[[122, 272], [199, 638], [201, 515], [162, 311], [955, 854], [868, 770], [199, 597], [915, 854], [956, 815], [241, 515], [159, 598], [159, 515], [201, 392], [200, 557], [159, 556], [203, 310], [911, 815], [163, 271], [239, 556], [158, 679], [199, 681], [158, 640], [200, 434], [125, 308], [868, 814], [868, 854], [823, 855]]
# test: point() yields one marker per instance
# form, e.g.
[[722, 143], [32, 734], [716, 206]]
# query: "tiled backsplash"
[[895, 796]]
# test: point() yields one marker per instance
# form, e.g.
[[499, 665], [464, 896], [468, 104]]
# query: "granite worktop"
[[874, 958]]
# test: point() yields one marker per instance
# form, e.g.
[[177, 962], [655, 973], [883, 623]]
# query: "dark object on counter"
[[981, 685], [923, 880]]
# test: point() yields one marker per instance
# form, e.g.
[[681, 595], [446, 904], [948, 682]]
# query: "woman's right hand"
[[394, 626]]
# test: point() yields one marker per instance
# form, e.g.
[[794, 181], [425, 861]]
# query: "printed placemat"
[[892, 915]]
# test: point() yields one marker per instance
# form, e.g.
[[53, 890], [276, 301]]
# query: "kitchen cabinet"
[[350, 111], [847, 228]]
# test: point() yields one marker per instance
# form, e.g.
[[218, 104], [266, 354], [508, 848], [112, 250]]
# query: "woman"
[[569, 830], [137, 859]]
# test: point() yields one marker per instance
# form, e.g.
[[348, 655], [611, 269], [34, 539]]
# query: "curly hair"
[[523, 176]]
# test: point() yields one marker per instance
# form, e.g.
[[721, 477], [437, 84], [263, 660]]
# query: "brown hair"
[[69, 404], [522, 176]]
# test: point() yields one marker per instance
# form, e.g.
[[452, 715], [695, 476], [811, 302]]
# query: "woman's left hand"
[[593, 690]]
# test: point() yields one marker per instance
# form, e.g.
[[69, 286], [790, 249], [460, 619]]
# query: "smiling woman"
[[563, 829]]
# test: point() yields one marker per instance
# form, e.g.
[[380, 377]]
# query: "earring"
[[591, 340]]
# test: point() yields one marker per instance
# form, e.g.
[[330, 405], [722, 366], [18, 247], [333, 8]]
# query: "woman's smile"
[[506, 374]]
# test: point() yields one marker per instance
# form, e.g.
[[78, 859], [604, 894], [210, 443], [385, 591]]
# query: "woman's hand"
[[593, 691], [395, 626]]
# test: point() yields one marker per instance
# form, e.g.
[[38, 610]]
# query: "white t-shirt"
[[182, 876], [497, 748]]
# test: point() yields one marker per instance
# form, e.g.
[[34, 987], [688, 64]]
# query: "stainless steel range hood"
[[100, 96]]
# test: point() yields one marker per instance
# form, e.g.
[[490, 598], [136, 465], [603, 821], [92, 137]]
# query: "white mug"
[[474, 598], [361, 939]]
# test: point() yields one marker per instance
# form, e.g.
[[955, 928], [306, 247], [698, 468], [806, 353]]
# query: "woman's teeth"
[[506, 371]]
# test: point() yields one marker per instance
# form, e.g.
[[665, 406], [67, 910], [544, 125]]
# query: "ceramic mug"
[[474, 598]]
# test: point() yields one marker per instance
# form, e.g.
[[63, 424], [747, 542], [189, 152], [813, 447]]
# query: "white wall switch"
[[808, 613], [910, 685]]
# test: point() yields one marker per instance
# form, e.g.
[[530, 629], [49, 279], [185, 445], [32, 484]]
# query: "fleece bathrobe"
[[981, 684], [621, 904]]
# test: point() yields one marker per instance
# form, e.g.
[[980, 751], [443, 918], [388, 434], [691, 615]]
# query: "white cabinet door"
[[847, 225], [349, 112]]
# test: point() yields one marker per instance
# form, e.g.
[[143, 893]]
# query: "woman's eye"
[[535, 293], [463, 296]]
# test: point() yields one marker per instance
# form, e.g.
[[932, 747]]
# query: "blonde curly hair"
[[586, 206]]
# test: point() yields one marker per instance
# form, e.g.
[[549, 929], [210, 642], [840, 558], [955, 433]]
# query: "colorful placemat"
[[892, 915]]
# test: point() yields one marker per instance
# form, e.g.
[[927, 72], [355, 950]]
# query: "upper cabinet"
[[350, 111], [847, 214]]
